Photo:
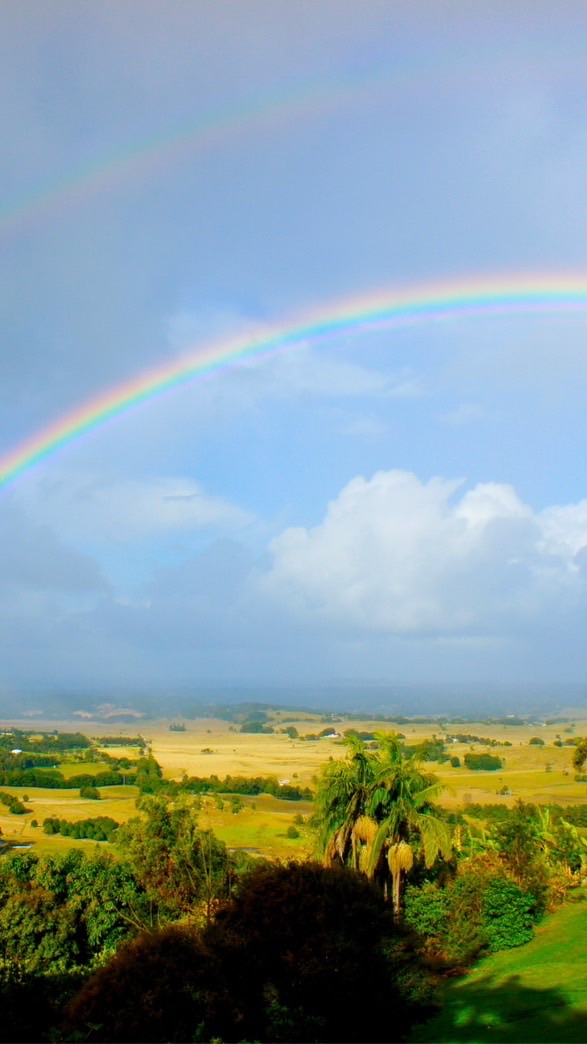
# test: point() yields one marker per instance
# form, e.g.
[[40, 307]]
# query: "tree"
[[580, 755], [304, 955], [375, 813], [181, 867], [483, 762], [299, 953], [402, 804], [342, 801], [149, 991], [64, 911]]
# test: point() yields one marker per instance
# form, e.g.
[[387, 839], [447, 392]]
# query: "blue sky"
[[405, 505]]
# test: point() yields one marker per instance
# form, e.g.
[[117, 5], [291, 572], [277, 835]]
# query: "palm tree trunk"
[[396, 894]]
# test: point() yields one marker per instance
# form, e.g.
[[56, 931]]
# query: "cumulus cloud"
[[398, 555]]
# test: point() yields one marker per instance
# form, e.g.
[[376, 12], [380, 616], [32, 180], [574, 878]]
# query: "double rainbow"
[[531, 294]]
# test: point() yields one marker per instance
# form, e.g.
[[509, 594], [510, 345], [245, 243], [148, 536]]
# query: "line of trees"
[[53, 779], [12, 803], [98, 828]]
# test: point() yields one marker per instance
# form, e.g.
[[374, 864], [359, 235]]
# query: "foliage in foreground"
[[299, 953], [481, 909]]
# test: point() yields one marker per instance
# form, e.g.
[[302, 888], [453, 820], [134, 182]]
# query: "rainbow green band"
[[481, 296]]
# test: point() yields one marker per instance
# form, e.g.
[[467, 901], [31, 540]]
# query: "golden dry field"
[[208, 747]]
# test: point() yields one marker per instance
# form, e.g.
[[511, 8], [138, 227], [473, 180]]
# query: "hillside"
[[536, 993]]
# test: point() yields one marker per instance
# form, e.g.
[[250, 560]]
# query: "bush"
[[278, 963], [148, 992], [427, 910], [483, 762], [508, 914], [479, 910], [92, 793]]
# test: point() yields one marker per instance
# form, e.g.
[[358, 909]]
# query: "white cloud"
[[401, 556], [363, 425], [298, 370], [125, 511], [565, 528]]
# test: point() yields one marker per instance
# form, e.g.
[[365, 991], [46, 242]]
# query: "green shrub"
[[483, 762], [427, 910], [479, 910], [508, 914]]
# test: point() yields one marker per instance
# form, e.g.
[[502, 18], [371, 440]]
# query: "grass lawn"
[[535, 993]]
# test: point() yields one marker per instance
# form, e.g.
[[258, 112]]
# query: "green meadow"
[[536, 993], [261, 825]]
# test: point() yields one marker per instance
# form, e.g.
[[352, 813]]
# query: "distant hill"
[[356, 699]]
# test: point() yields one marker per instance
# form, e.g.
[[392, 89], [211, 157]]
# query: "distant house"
[[16, 751]]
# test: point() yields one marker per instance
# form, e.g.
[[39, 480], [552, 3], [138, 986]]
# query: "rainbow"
[[533, 294], [208, 130], [158, 150]]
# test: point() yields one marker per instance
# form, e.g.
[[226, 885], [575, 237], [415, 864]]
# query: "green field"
[[81, 768], [117, 802], [261, 826], [537, 993]]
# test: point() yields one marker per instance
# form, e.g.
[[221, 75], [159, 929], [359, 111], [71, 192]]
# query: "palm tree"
[[341, 801], [402, 804], [375, 813]]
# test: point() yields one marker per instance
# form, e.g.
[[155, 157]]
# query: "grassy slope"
[[536, 993]]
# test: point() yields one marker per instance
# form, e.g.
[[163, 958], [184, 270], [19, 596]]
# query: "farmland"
[[541, 773]]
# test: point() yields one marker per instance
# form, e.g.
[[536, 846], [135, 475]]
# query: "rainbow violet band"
[[507, 294]]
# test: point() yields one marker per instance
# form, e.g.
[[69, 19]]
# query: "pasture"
[[533, 773], [541, 774], [117, 802]]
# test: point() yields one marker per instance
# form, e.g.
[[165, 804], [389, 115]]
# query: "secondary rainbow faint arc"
[[481, 296]]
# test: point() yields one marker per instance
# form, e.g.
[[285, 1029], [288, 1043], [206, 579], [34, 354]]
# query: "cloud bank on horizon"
[[401, 504]]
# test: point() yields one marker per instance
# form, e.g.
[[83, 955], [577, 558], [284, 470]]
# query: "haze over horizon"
[[406, 504]]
